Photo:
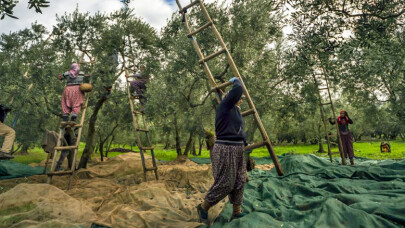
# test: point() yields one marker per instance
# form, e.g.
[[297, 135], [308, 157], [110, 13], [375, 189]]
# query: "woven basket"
[[86, 87]]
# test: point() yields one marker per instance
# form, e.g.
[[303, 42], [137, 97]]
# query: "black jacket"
[[229, 125], [3, 112]]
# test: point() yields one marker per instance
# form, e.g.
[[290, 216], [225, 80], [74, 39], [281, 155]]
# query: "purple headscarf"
[[74, 70]]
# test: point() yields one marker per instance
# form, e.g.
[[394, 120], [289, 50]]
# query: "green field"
[[369, 150]]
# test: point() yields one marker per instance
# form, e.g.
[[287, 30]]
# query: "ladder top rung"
[[65, 147], [323, 88], [139, 129], [223, 50], [221, 86], [255, 145], [328, 103], [60, 173], [200, 29], [248, 112], [189, 5], [151, 169]]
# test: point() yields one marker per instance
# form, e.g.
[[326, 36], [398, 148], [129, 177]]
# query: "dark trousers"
[[139, 87], [347, 144]]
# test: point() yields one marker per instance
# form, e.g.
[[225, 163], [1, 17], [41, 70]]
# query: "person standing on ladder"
[[9, 134], [228, 162], [346, 137], [72, 97], [139, 84]]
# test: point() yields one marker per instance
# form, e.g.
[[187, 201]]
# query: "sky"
[[154, 12]]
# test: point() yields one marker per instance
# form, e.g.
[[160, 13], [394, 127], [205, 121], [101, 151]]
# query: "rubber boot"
[[351, 161]]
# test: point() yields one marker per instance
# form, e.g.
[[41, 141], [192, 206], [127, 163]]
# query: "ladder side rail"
[[135, 125], [322, 112], [200, 54], [250, 102], [340, 146]]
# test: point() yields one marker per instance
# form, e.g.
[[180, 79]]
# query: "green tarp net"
[[317, 193], [10, 169]]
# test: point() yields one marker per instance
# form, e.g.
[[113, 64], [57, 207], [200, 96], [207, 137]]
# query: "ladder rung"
[[255, 145], [60, 173], [221, 86], [138, 113], [71, 124], [326, 103], [151, 169], [139, 129], [65, 147], [335, 153], [324, 88], [223, 50], [146, 148], [200, 29], [248, 112], [189, 5]]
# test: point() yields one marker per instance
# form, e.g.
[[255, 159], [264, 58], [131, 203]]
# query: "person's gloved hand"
[[233, 79]]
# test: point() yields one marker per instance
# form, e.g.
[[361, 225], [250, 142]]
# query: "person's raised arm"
[[234, 95]]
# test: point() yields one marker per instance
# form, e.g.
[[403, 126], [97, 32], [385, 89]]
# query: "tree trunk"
[[24, 150], [188, 145], [194, 153], [101, 149], [178, 146], [91, 133], [320, 150], [109, 146], [200, 145], [167, 142]]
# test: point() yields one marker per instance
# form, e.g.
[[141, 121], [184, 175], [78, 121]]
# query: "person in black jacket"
[[8, 132], [228, 162]]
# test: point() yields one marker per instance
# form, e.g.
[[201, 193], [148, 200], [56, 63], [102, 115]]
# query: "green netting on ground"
[[259, 161], [316, 193], [10, 169]]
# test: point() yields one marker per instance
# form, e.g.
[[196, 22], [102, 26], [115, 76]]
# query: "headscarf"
[[343, 119], [74, 70]]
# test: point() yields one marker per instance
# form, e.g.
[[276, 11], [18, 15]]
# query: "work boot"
[[351, 161], [4, 155], [236, 216], [203, 215]]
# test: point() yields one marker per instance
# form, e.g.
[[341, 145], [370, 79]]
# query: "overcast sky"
[[155, 12]]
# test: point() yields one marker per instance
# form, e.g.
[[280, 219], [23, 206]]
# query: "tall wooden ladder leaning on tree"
[[325, 99], [224, 50], [75, 147], [141, 129]]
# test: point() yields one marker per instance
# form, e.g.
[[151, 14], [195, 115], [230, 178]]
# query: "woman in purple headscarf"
[[72, 97]]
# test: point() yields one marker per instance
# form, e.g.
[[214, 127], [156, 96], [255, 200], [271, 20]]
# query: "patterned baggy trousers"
[[229, 170]]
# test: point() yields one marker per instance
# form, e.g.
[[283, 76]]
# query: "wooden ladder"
[[139, 130], [224, 50], [322, 84], [75, 147]]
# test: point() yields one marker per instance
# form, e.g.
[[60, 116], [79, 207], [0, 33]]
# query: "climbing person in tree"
[[72, 97], [9, 134], [228, 163], [346, 137], [139, 84]]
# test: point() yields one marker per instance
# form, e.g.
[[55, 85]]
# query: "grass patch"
[[369, 150]]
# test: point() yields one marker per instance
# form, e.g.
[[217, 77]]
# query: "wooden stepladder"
[[325, 99], [75, 148], [224, 50], [141, 129]]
